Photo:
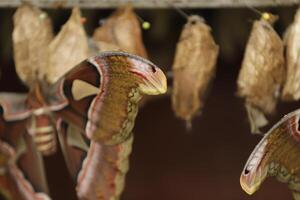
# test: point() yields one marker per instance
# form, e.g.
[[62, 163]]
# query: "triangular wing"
[[277, 154]]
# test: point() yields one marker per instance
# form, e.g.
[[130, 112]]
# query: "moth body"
[[43, 133], [41, 124]]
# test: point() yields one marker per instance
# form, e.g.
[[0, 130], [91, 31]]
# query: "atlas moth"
[[90, 109], [262, 73], [193, 68]]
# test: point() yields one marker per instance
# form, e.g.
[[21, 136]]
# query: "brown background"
[[167, 162]]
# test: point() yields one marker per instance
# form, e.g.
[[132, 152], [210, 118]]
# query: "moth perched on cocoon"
[[31, 37], [291, 89], [262, 73], [193, 68], [122, 29]]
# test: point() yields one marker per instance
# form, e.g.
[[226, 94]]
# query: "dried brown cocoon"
[[193, 68], [31, 36], [123, 30], [291, 89], [262, 73], [68, 48]]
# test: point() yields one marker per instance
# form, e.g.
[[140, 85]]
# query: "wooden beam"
[[93, 4]]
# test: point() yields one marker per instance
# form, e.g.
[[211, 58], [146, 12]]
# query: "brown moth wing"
[[103, 92], [262, 72], [98, 170], [193, 68], [74, 147], [31, 36], [103, 171], [123, 30], [68, 48], [291, 89], [277, 154]]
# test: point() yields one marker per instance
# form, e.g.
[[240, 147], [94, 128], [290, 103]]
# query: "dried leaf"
[[291, 89], [31, 36], [262, 73], [193, 68], [68, 48], [123, 30]]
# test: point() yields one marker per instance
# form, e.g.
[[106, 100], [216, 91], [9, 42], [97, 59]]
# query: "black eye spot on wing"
[[153, 69], [246, 171]]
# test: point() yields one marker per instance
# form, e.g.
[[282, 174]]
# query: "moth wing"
[[277, 154], [98, 170], [23, 171], [89, 89]]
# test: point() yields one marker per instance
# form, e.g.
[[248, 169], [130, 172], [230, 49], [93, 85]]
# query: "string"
[[252, 8], [265, 15], [180, 11]]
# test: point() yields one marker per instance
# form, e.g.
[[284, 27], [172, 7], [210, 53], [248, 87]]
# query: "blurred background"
[[168, 162]]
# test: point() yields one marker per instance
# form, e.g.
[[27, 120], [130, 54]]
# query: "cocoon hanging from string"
[[194, 68], [291, 89], [68, 48], [121, 30], [262, 72], [31, 37]]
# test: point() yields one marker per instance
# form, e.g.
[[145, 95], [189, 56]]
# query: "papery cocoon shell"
[[31, 36], [193, 68], [122, 29], [291, 89], [68, 48], [262, 73]]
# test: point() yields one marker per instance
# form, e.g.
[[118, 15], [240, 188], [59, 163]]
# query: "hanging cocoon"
[[32, 35], [68, 48], [262, 73], [121, 31], [291, 89], [193, 68]]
